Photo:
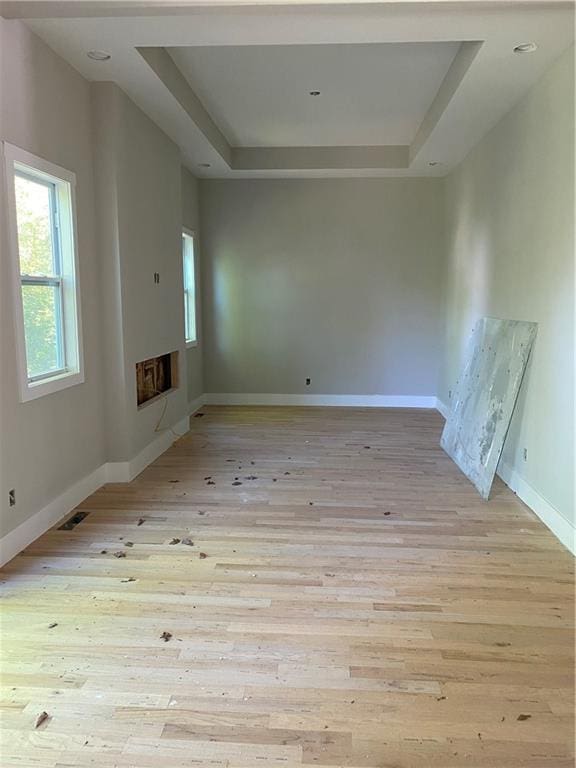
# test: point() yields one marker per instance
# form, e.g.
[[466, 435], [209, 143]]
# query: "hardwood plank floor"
[[336, 594]]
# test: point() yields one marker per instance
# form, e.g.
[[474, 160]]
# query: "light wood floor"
[[358, 605]]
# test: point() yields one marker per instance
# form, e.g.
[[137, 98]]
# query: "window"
[[46, 292], [189, 265]]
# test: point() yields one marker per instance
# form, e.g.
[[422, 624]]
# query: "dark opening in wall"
[[156, 377]]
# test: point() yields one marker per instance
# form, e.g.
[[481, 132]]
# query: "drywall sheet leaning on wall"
[[485, 396]]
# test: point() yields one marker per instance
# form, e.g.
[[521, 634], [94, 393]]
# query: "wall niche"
[[156, 377]]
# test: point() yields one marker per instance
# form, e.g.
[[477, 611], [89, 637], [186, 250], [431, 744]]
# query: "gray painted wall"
[[50, 443], [510, 254], [337, 279], [139, 195], [129, 225], [191, 220]]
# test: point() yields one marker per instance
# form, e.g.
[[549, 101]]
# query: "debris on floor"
[[128, 543], [119, 554], [523, 717], [42, 717], [175, 541], [140, 521], [54, 624], [188, 542], [166, 636], [203, 555]]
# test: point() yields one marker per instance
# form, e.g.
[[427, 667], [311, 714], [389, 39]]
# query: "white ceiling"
[[369, 94], [253, 64]]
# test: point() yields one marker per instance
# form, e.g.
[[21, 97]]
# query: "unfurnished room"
[[287, 384]]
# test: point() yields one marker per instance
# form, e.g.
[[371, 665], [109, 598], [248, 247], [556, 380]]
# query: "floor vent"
[[73, 521]]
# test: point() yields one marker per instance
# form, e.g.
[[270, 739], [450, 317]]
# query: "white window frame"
[[192, 235], [20, 161]]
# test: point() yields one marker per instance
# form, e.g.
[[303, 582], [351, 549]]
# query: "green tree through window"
[[40, 274]]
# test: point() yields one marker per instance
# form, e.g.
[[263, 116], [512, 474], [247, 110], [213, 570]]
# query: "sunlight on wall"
[[470, 272], [226, 307]]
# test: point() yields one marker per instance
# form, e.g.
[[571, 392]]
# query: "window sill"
[[33, 390], [191, 344]]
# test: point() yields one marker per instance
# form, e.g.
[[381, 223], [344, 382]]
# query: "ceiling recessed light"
[[98, 55], [204, 165], [525, 48], [314, 93]]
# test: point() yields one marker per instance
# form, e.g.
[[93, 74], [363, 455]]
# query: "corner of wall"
[[562, 528]]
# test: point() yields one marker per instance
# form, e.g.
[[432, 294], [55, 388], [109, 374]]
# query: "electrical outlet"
[[525, 454], [308, 382], [12, 497]]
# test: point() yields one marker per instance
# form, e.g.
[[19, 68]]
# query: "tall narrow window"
[[41, 208], [189, 266]]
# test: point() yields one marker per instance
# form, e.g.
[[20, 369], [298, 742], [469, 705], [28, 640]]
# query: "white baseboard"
[[563, 529], [28, 531], [112, 472], [125, 471], [442, 407], [195, 405], [349, 401]]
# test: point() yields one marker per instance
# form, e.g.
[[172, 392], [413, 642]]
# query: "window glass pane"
[[42, 328], [188, 264], [190, 316], [189, 288], [35, 233]]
